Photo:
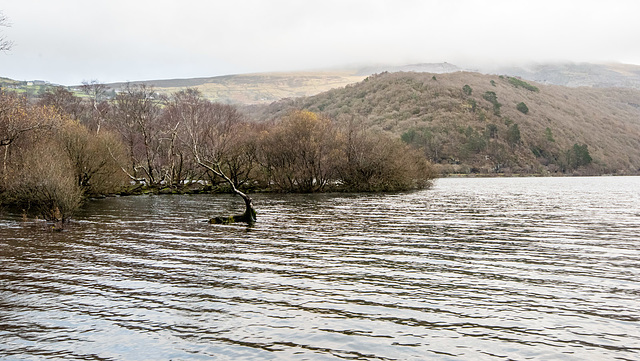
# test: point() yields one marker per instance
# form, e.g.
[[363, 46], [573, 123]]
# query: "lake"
[[471, 269]]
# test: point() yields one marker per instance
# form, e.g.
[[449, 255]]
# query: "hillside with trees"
[[389, 132], [473, 123], [62, 149]]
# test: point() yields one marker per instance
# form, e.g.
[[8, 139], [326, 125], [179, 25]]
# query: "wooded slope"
[[469, 122]]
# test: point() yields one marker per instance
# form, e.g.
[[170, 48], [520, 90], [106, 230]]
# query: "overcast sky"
[[68, 41]]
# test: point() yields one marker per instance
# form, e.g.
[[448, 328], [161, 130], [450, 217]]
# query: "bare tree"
[[175, 172], [96, 92], [43, 181], [182, 105], [240, 158], [300, 152], [18, 118], [63, 100], [136, 117], [37, 174], [207, 129], [5, 44], [95, 170]]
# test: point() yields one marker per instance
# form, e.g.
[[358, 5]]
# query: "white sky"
[[68, 41]]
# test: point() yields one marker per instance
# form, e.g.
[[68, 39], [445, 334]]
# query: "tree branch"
[[137, 180]]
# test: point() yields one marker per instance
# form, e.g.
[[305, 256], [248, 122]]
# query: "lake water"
[[472, 269]]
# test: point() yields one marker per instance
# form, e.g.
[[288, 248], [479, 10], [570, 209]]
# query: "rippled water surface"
[[472, 269]]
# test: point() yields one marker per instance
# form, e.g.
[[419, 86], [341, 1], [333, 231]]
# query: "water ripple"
[[482, 269]]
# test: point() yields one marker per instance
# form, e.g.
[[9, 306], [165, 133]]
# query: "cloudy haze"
[[68, 41]]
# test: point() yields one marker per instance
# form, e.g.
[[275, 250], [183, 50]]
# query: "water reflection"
[[483, 269]]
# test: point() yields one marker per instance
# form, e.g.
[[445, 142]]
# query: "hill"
[[436, 68], [256, 88], [264, 88], [32, 88], [469, 122]]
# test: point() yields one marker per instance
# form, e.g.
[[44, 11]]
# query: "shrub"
[[491, 131], [496, 109], [473, 104], [578, 156], [548, 135], [467, 89], [298, 153], [513, 135], [44, 183], [522, 84], [475, 143], [491, 97], [522, 107], [306, 152], [377, 162], [93, 157]]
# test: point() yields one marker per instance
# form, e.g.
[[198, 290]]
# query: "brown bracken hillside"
[[473, 123]]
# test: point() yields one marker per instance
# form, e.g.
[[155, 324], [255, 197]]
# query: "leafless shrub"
[[43, 182], [379, 162], [92, 155], [299, 153]]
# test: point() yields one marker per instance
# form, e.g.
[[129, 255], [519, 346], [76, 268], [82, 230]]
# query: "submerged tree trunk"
[[249, 215]]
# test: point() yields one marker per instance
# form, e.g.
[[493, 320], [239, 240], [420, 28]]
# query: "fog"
[[68, 41]]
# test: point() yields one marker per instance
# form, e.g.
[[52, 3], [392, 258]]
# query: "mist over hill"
[[577, 74], [475, 123], [436, 68], [263, 88], [566, 74]]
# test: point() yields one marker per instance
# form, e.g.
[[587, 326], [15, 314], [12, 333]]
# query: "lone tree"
[[513, 135], [208, 127], [578, 156], [136, 115]]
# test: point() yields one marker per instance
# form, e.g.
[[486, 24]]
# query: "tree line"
[[64, 148]]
